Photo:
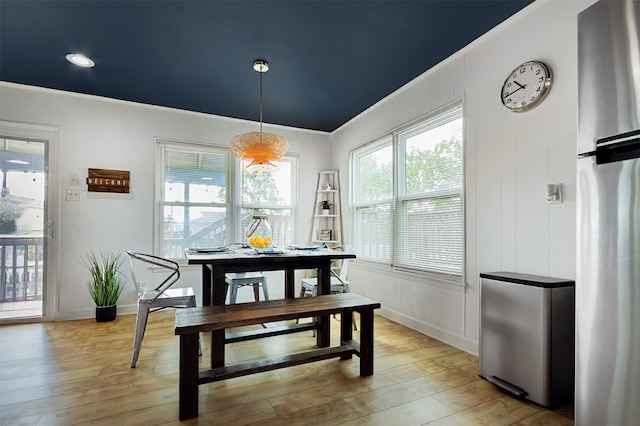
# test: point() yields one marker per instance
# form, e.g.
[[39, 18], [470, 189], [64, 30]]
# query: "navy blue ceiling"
[[329, 60]]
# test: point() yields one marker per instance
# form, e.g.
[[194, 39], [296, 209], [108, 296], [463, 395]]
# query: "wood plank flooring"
[[78, 372]]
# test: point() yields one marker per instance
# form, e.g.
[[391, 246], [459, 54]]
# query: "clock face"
[[526, 86]]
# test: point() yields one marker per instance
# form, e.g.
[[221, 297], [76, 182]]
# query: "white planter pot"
[[326, 212]]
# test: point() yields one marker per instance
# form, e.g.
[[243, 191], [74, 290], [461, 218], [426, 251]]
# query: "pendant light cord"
[[261, 103]]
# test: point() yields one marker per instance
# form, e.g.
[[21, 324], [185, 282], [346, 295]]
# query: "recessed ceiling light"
[[207, 178], [80, 60], [18, 162]]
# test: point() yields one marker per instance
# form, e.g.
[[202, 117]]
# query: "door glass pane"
[[22, 213]]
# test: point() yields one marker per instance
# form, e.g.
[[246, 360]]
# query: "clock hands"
[[519, 88]]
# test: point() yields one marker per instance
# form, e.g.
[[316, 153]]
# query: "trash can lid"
[[527, 279]]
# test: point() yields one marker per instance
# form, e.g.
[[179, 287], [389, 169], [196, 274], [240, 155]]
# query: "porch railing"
[[215, 235], [21, 268]]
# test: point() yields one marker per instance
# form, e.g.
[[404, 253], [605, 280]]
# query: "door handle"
[[48, 229]]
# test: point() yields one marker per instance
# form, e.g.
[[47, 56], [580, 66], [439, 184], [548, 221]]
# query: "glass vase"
[[259, 232]]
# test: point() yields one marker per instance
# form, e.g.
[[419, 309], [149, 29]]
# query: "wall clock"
[[526, 86]]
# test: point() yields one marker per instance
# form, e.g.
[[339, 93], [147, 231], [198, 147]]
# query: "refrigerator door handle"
[[622, 137], [625, 146]]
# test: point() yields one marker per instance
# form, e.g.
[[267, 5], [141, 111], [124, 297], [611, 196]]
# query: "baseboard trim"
[[430, 330], [91, 313]]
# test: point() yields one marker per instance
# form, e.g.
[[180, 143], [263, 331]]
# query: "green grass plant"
[[107, 281]]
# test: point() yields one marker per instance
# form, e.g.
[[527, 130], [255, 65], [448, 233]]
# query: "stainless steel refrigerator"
[[608, 215]]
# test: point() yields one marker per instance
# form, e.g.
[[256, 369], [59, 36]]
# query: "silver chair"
[[339, 282], [159, 298], [241, 279]]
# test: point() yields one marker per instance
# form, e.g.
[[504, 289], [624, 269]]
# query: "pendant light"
[[257, 150]]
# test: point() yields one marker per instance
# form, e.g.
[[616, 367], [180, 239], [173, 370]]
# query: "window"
[[205, 201], [194, 199], [273, 195], [408, 196], [373, 196]]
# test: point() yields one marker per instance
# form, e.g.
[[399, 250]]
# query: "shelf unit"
[[328, 189]]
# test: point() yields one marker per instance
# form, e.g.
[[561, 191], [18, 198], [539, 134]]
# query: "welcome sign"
[[104, 180]]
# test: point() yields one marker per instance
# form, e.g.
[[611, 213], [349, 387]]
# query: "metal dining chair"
[[242, 279], [159, 298], [339, 282]]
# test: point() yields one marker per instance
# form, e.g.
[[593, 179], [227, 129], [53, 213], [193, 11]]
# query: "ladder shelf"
[[327, 228]]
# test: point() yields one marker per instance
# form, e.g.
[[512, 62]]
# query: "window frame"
[[358, 205], [233, 202], [397, 138]]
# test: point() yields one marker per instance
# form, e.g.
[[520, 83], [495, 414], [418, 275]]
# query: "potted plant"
[[106, 283], [7, 223], [325, 205]]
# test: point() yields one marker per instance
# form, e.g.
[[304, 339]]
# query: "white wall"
[[509, 158], [100, 133]]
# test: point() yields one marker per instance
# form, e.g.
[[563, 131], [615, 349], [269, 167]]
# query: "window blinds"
[[429, 209]]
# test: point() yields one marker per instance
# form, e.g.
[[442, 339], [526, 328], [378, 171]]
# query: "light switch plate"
[[554, 193], [72, 194]]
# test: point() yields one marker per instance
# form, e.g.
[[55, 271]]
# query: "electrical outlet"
[[74, 180], [72, 194]]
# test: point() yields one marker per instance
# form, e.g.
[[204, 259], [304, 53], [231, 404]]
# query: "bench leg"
[[323, 337], [366, 342], [324, 287], [188, 376], [346, 333]]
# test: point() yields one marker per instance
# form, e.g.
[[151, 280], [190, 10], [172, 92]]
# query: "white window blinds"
[[408, 196], [373, 201], [430, 177]]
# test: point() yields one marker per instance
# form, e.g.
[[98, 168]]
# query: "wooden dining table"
[[216, 264]]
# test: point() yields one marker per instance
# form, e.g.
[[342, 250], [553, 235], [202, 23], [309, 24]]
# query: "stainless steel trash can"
[[527, 335]]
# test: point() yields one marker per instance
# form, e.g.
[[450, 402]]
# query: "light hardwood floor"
[[77, 372]]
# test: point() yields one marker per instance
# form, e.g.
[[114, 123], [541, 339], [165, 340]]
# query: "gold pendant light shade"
[[258, 147], [257, 150]]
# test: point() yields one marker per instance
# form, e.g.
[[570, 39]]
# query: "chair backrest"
[[171, 266], [344, 268]]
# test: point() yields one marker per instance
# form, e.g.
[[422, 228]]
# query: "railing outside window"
[[215, 235], [21, 268]]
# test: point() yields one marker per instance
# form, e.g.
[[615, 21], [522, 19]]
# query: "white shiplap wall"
[[509, 159], [101, 133]]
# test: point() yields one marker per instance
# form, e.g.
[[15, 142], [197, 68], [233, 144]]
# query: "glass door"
[[22, 227]]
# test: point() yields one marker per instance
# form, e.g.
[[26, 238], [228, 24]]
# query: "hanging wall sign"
[[104, 180]]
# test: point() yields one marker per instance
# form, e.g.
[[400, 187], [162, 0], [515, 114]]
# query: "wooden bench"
[[191, 321]]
